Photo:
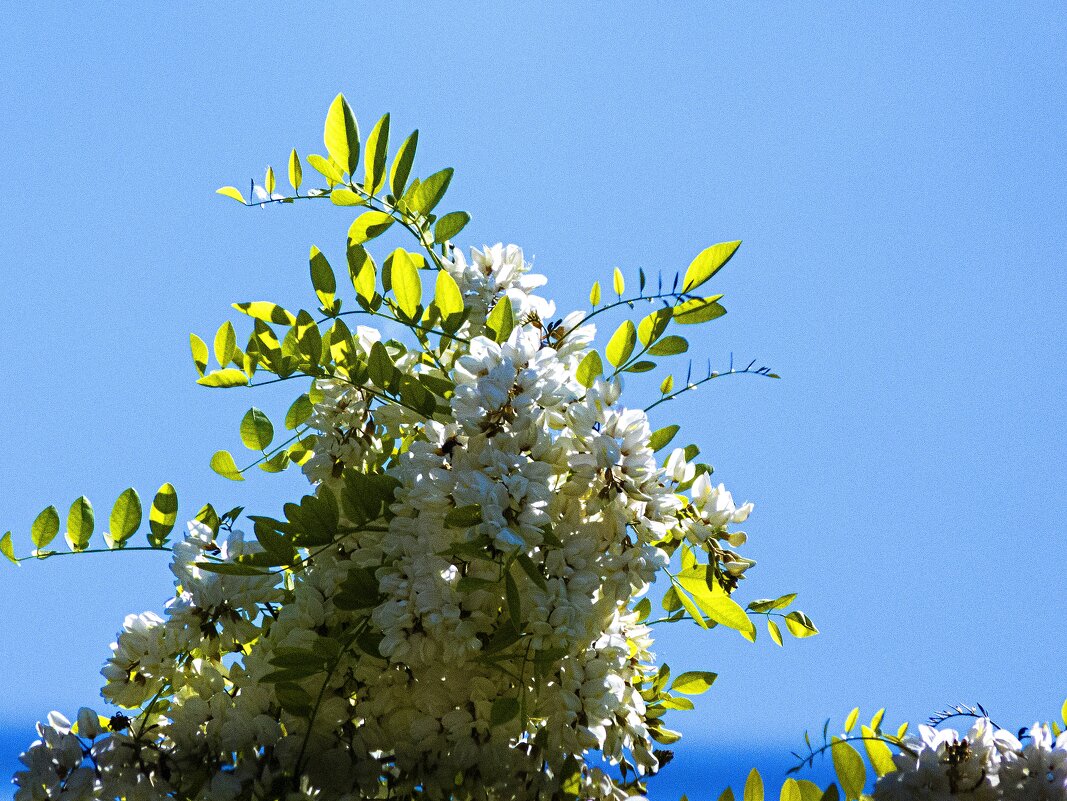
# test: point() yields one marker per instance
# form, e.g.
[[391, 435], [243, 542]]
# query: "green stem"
[[92, 550]]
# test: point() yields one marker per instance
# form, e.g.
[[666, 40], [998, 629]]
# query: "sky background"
[[895, 170]]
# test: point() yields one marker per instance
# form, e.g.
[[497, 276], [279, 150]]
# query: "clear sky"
[[896, 171]]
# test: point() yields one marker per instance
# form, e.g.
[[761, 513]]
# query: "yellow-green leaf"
[[81, 520], [125, 517], [363, 272], [406, 283], [754, 786], [223, 464], [269, 181], [266, 311], [618, 282], [163, 514], [791, 791], [367, 226], [230, 377], [809, 791], [429, 193], [377, 147], [653, 325], [225, 343], [341, 135], [621, 344], [501, 320], [698, 310], [590, 369], [257, 431], [715, 603], [7, 549], [800, 625], [662, 437], [690, 607], [707, 263], [199, 349], [666, 385], [296, 172], [850, 721], [398, 175], [322, 278], [594, 294], [727, 795], [669, 346], [327, 168], [232, 191], [775, 632], [878, 752], [694, 682], [45, 528], [346, 197], [850, 768], [447, 296]]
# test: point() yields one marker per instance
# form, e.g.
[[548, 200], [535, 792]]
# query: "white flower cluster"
[[480, 657], [987, 763]]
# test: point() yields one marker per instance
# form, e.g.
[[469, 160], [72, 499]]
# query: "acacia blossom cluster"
[[985, 764], [492, 655]]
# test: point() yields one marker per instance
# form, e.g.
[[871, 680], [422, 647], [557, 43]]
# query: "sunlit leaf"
[[707, 263], [223, 464]]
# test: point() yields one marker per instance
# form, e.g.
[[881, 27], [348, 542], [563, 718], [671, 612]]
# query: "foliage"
[[459, 607]]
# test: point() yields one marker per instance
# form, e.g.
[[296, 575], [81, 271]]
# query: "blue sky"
[[895, 171]]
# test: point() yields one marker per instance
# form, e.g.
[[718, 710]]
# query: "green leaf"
[[269, 181], [363, 272], [377, 147], [669, 346], [232, 191], [199, 349], [850, 721], [299, 412], [367, 226], [275, 464], [7, 549], [714, 601], [754, 786], [81, 520], [45, 528], [225, 343], [380, 366], [125, 517], [429, 192], [257, 432], [449, 226], [594, 294], [163, 515], [727, 795], [698, 310], [831, 793], [223, 464], [464, 516], [503, 711], [1063, 711], [590, 369], [618, 282], [322, 278], [501, 320], [341, 135], [661, 438], [447, 295], [230, 377], [850, 768], [406, 283], [642, 366], [653, 325], [791, 791], [694, 682], [775, 632], [621, 344], [329, 169], [296, 172], [707, 263], [690, 607], [800, 625], [666, 385], [398, 175], [266, 311], [878, 752], [346, 197]]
